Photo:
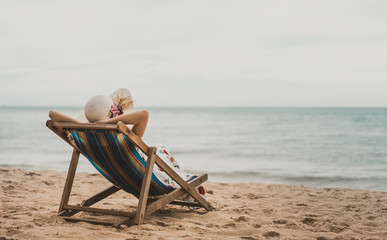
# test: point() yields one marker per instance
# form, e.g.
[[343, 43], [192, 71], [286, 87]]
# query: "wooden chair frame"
[[146, 206]]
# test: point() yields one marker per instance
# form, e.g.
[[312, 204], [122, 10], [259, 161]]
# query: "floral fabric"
[[167, 157]]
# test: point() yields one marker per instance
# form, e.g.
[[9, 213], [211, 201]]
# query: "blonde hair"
[[123, 98]]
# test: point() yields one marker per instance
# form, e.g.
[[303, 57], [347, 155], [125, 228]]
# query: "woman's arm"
[[138, 119], [60, 117]]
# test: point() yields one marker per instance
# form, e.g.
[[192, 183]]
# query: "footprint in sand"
[[271, 234], [257, 225], [239, 210], [241, 219], [338, 228], [211, 225], [236, 196], [371, 217], [268, 211], [350, 207], [281, 221], [253, 196], [309, 221], [249, 238], [301, 205], [371, 224], [48, 183], [321, 238], [163, 224], [229, 225], [32, 174]]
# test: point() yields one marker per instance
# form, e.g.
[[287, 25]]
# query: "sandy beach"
[[30, 199]]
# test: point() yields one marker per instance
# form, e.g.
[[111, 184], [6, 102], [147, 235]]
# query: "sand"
[[30, 199]]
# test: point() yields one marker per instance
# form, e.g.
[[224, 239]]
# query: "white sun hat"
[[98, 108]]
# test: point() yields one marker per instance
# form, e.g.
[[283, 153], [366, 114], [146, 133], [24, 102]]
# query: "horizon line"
[[198, 106]]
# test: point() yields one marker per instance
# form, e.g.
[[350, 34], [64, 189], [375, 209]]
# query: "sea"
[[321, 147]]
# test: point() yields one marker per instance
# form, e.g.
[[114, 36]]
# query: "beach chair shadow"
[[111, 149]]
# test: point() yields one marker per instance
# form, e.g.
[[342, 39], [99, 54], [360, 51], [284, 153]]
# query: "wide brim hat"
[[98, 108], [123, 98]]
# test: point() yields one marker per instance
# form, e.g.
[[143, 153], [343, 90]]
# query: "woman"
[[102, 109], [138, 119]]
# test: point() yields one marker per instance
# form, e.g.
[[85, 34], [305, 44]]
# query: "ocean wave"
[[365, 182], [284, 176], [24, 166]]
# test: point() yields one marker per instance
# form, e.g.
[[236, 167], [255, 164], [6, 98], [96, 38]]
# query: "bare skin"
[[138, 119]]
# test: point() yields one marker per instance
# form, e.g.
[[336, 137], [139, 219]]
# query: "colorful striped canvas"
[[116, 158]]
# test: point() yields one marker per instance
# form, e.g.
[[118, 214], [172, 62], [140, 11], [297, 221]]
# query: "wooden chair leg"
[[69, 180], [164, 166], [145, 186], [191, 191], [156, 205]]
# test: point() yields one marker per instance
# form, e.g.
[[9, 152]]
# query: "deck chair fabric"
[[117, 159], [111, 149]]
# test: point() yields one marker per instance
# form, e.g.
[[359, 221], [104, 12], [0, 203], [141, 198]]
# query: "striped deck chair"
[[111, 149]]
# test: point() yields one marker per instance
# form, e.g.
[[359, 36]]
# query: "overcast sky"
[[196, 53]]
